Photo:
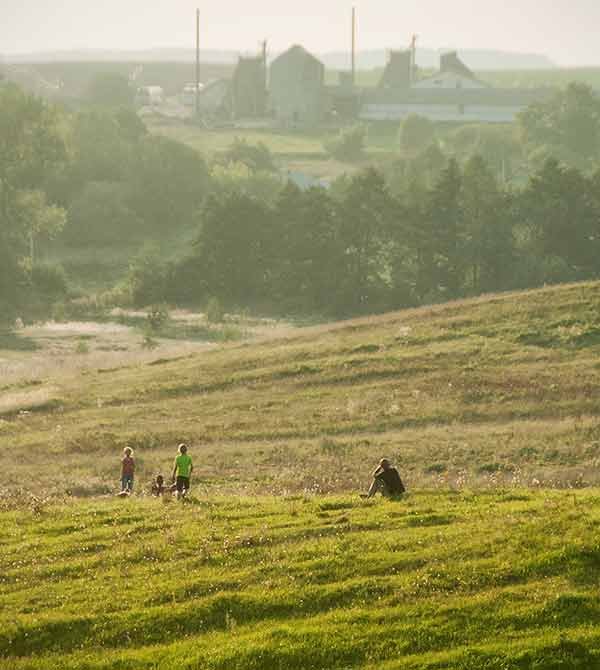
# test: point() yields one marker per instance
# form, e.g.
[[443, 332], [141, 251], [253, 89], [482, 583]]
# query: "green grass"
[[503, 581], [299, 149], [490, 409], [217, 141]]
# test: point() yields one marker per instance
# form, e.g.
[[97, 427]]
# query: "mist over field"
[[299, 335]]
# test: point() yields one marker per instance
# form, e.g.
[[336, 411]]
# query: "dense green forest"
[[470, 210]]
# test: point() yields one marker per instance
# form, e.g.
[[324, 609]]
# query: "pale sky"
[[565, 30]]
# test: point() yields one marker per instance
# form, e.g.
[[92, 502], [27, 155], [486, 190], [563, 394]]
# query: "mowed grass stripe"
[[300, 582]]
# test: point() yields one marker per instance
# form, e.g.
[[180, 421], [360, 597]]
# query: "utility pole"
[[197, 91], [265, 93], [353, 46], [413, 59]]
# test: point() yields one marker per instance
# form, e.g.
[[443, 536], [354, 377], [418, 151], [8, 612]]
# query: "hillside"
[[501, 389], [491, 59], [275, 562]]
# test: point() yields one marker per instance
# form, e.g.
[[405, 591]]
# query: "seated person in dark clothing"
[[386, 480]]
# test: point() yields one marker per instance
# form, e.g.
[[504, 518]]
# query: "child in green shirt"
[[182, 471]]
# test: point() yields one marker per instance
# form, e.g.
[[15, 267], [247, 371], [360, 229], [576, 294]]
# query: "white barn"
[[454, 94]]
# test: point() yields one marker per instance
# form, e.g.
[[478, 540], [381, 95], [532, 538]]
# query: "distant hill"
[[71, 78], [106, 55], [430, 58], [426, 58]]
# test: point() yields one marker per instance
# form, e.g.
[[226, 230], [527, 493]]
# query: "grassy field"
[[501, 581], [216, 141], [301, 151], [495, 390], [490, 409]]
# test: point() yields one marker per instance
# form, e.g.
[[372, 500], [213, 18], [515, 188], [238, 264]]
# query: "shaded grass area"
[[11, 341], [173, 329], [438, 580]]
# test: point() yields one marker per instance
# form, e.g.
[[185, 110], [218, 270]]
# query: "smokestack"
[[197, 98], [353, 46]]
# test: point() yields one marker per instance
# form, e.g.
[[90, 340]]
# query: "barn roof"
[[296, 50]]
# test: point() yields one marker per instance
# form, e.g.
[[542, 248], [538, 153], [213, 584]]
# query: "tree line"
[[361, 248], [91, 178], [437, 223]]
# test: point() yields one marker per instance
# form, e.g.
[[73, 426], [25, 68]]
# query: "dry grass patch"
[[34, 400]]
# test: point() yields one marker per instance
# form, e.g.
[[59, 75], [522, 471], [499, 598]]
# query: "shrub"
[[416, 133], [49, 280], [149, 343], [349, 145], [214, 311], [101, 214], [82, 347], [59, 312], [157, 317], [256, 157], [147, 277]]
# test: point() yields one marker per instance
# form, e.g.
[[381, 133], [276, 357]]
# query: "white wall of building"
[[447, 113]]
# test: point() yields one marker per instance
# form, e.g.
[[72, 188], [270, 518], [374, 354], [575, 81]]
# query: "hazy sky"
[[565, 30]]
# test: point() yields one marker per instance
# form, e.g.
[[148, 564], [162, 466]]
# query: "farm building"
[[249, 88], [214, 99], [453, 94], [297, 87], [448, 105], [397, 73], [150, 96], [342, 101], [453, 74]]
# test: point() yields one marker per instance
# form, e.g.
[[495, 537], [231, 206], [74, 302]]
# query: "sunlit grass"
[[489, 408], [500, 580]]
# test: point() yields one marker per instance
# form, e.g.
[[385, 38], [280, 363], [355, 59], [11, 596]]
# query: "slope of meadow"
[[486, 405], [494, 390]]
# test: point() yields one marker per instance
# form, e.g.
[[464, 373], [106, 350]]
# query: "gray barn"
[[297, 87]]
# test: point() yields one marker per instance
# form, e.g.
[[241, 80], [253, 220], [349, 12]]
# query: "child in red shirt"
[[127, 470]]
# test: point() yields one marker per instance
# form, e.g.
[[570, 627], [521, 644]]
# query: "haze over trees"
[[454, 215]]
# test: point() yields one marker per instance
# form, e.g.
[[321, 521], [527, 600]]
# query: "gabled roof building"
[[297, 87], [454, 94], [249, 88]]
